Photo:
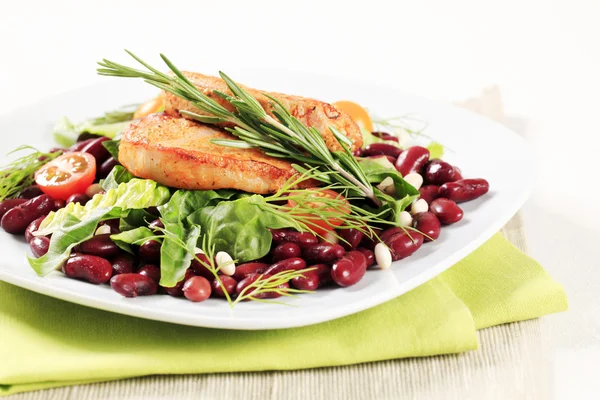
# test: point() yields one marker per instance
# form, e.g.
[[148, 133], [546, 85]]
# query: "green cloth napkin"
[[47, 342]]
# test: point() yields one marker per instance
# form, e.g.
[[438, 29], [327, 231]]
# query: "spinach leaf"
[[240, 227], [379, 169], [181, 236], [133, 236], [113, 147]]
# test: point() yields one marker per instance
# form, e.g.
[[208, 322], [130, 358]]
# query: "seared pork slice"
[[178, 153], [312, 113]]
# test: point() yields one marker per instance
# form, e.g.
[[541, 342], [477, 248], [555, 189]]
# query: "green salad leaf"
[[112, 146], [181, 235], [133, 236], [436, 150], [74, 224], [240, 227], [378, 169], [137, 193], [110, 124], [117, 176]]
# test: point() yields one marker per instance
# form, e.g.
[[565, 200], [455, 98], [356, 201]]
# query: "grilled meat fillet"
[[178, 153], [312, 113]]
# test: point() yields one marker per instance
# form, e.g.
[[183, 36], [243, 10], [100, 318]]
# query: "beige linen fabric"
[[510, 364]]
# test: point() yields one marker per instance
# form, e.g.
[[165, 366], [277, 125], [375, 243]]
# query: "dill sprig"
[[19, 174], [265, 285], [281, 137]]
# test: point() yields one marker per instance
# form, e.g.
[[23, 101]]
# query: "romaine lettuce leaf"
[[137, 193], [74, 224], [117, 176]]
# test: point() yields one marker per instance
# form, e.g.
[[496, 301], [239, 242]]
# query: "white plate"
[[481, 149]]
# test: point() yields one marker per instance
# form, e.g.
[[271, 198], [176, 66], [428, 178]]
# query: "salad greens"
[[75, 223], [112, 146], [181, 235], [241, 226], [436, 150], [117, 176], [133, 236], [137, 193]]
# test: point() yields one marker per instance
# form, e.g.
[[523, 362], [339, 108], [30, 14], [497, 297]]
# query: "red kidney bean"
[[285, 251], [351, 238], [289, 264], [386, 136], [106, 167], [200, 269], [382, 149], [80, 198], [357, 152], [133, 285], [58, 204], [370, 242], [404, 244], [464, 189], [30, 192], [227, 282], [429, 193], [457, 174], [157, 223], [9, 204], [39, 246], [323, 252], [88, 268], [272, 295], [97, 149], [197, 288], [438, 172], [389, 158], [314, 279], [368, 255], [151, 271], [113, 223], [122, 264], [247, 281], [100, 245], [350, 269], [446, 210], [300, 238], [252, 268], [81, 144], [150, 250], [33, 228], [388, 233], [17, 219], [177, 290], [412, 160], [428, 224]]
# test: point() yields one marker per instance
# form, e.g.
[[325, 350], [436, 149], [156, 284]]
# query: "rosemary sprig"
[[281, 137], [18, 175]]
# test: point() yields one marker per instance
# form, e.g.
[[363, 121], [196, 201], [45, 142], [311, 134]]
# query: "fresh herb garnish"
[[281, 137], [19, 174]]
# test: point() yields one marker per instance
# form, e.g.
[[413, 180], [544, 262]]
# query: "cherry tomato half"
[[335, 216], [356, 112], [67, 174]]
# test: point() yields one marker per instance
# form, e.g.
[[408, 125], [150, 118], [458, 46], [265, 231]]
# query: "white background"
[[544, 56]]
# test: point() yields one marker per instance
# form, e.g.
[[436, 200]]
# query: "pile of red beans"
[[99, 260]]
